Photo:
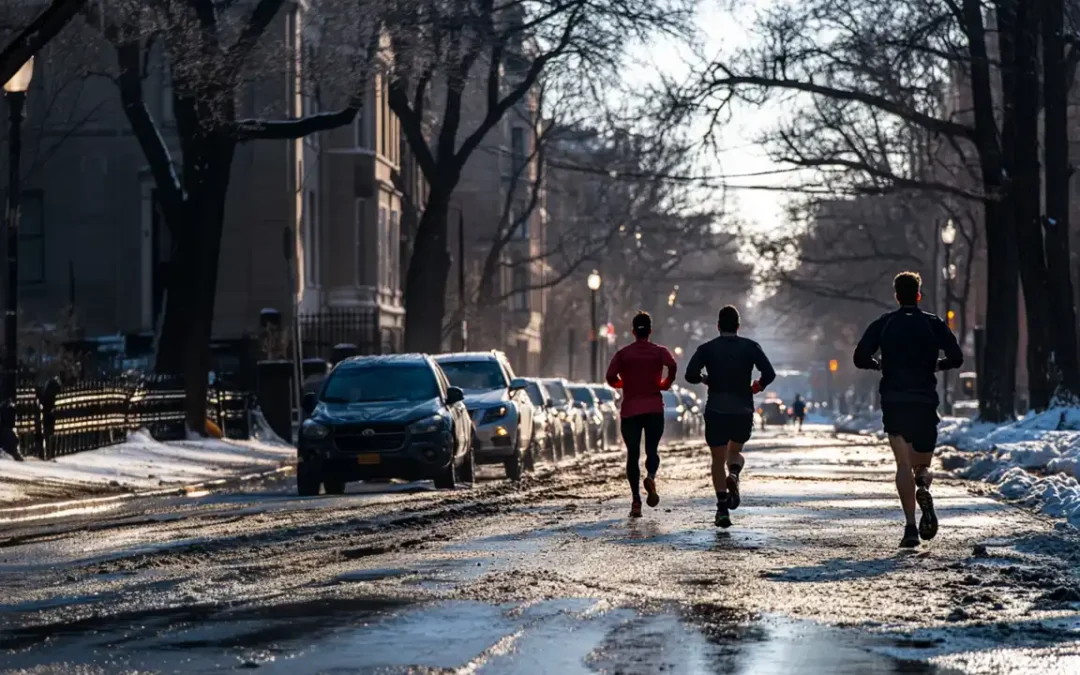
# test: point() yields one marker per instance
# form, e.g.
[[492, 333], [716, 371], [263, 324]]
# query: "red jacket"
[[638, 370]]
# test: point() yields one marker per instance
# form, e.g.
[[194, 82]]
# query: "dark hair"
[[907, 285], [728, 319], [642, 325]]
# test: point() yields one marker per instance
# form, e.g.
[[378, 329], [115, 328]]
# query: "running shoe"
[[723, 518], [911, 537], [653, 499], [733, 499], [928, 524], [635, 509]]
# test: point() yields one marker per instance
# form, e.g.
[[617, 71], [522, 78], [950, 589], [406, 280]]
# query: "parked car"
[[609, 408], [674, 417], [693, 415], [549, 428], [499, 406], [575, 434], [773, 411], [586, 401], [379, 417]]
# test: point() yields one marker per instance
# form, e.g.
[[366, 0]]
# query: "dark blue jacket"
[[729, 361], [909, 341]]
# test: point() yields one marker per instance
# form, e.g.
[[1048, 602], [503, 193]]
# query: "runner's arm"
[[693, 369], [868, 346], [613, 372], [766, 372], [954, 356], [672, 369]]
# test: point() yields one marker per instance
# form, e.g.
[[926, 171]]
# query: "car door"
[[458, 415], [524, 406]]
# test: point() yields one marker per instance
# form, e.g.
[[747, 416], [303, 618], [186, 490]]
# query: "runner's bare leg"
[[905, 478]]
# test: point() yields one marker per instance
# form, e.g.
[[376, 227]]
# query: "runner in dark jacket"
[[729, 362], [798, 410], [910, 342]]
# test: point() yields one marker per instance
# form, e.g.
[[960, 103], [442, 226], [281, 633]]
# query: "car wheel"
[[514, 463], [529, 460], [334, 487], [447, 478], [308, 479], [468, 467]]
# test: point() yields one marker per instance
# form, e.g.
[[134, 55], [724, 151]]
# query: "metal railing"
[[87, 415]]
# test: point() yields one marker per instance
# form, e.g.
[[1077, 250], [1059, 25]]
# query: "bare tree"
[[213, 52], [444, 51]]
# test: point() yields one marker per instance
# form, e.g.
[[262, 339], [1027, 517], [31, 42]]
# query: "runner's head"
[[908, 287], [642, 325], [728, 320]]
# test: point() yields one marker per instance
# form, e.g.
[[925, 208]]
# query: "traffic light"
[[834, 366], [950, 317]]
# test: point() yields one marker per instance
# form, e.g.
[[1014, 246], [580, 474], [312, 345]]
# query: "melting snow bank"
[[140, 463], [865, 423], [1034, 461]]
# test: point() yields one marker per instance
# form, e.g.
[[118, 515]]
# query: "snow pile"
[[865, 423], [1034, 461], [142, 463]]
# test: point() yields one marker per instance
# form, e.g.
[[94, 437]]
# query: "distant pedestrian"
[[729, 361], [638, 370], [910, 342], [798, 411]]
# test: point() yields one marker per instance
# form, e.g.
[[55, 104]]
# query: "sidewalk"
[[139, 464]]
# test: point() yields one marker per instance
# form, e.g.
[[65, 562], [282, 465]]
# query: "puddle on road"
[[376, 635]]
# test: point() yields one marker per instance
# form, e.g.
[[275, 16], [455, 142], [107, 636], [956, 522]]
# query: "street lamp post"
[[948, 238], [15, 94], [594, 282]]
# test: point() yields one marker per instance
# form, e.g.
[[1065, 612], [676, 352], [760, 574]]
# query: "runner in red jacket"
[[638, 370]]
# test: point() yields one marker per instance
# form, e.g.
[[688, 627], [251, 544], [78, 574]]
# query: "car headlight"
[[314, 431], [680, 408], [428, 425], [492, 414]]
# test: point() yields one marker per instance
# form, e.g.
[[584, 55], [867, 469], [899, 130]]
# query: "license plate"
[[368, 459]]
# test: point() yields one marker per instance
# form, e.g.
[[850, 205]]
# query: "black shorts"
[[720, 428], [916, 422]]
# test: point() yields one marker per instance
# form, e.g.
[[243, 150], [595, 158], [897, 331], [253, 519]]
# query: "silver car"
[[500, 408]]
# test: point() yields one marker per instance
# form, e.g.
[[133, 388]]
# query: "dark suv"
[[384, 417]]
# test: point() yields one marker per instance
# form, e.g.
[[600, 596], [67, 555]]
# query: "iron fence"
[[320, 332], [91, 414]]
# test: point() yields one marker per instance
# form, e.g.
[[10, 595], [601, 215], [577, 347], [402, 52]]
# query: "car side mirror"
[[454, 395], [309, 403], [517, 384]]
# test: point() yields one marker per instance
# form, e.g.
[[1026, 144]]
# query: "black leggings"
[[652, 424]]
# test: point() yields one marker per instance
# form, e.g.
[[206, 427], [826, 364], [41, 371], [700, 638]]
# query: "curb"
[[18, 514]]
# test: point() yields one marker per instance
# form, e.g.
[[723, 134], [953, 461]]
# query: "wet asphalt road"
[[549, 576]]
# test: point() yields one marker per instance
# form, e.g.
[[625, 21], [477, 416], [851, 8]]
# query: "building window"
[[517, 148], [394, 251], [363, 125], [32, 237], [519, 280], [361, 220], [385, 258], [384, 117], [311, 241]]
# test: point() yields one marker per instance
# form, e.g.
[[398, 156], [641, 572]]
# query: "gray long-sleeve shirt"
[[729, 361]]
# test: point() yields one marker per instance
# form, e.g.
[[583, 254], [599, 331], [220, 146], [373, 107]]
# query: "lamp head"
[[20, 81]]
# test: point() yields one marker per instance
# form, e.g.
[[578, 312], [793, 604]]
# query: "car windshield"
[[582, 395], [670, 399], [604, 395], [475, 375], [533, 390], [557, 392], [365, 384]]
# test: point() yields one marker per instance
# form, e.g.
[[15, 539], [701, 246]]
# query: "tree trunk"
[[179, 289], [1020, 78], [429, 269], [997, 386], [1065, 368]]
